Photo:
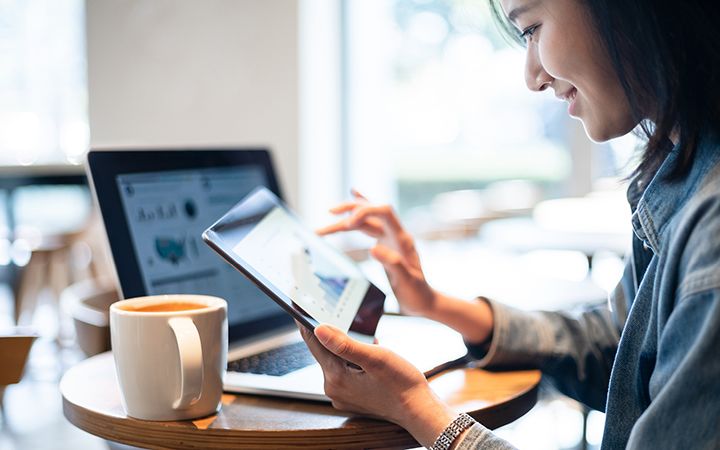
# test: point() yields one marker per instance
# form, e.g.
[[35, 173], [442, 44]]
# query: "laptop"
[[155, 205]]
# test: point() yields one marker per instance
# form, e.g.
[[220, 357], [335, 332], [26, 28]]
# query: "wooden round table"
[[91, 401]]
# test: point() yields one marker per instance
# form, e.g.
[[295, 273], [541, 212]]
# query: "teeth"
[[570, 96]]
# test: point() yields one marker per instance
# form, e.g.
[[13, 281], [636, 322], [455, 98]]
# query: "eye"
[[528, 33]]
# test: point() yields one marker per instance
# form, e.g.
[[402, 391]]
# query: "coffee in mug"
[[163, 307], [170, 355]]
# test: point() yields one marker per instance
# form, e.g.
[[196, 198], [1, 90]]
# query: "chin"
[[600, 134]]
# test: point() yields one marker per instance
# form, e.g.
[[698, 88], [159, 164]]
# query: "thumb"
[[364, 355], [389, 258]]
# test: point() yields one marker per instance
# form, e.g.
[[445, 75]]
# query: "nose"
[[535, 76]]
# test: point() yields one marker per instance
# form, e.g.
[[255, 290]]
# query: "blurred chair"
[[48, 266], [57, 260], [460, 214], [88, 303], [591, 224], [14, 350], [596, 223]]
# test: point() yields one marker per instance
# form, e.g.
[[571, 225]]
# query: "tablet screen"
[[266, 240]]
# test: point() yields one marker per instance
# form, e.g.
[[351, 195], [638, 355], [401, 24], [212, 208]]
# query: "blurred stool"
[[14, 350], [88, 303]]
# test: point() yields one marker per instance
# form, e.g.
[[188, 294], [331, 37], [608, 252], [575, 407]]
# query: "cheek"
[[602, 105], [605, 102], [570, 52], [560, 54]]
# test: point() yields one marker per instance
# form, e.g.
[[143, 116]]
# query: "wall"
[[194, 73]]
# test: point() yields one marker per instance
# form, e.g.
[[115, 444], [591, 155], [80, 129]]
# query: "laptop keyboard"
[[276, 362]]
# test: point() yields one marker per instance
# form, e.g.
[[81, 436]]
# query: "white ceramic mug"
[[170, 355]]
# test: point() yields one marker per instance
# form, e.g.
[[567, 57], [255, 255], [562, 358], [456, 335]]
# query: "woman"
[[651, 358]]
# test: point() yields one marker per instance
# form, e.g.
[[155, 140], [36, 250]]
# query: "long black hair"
[[666, 55]]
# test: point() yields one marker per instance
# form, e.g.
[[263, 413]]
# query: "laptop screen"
[[166, 214], [155, 205]]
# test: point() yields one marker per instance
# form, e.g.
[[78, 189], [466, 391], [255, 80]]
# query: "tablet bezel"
[[374, 298], [104, 166]]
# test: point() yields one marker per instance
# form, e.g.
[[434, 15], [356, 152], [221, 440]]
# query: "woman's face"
[[564, 53]]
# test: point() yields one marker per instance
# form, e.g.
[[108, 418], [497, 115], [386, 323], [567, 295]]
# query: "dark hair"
[[666, 54]]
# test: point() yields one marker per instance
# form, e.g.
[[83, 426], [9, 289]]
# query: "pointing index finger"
[[333, 228], [344, 207]]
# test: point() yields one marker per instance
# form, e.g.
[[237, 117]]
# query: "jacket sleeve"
[[479, 437], [683, 411], [575, 351]]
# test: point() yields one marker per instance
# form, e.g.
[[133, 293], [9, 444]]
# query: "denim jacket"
[[650, 358]]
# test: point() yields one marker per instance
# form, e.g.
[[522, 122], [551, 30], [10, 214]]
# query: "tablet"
[[310, 279]]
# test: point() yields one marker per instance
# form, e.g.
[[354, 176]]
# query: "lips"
[[569, 96]]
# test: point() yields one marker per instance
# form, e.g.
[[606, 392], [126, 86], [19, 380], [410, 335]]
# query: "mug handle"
[[191, 361]]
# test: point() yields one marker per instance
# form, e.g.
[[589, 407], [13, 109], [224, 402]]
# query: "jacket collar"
[[654, 206]]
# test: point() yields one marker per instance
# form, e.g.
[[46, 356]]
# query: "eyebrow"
[[513, 15]]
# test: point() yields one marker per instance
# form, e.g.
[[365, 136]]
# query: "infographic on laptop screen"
[[324, 283], [167, 213]]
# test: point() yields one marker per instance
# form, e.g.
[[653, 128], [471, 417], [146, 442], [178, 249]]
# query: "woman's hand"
[[395, 249], [386, 386]]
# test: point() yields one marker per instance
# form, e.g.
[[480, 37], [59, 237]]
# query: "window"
[[43, 114], [436, 102]]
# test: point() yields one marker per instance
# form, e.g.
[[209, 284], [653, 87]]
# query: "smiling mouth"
[[568, 96]]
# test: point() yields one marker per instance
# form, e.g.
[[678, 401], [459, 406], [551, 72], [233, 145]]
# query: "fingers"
[[344, 207], [373, 218], [371, 226], [333, 228], [357, 194], [383, 212], [364, 355], [370, 219]]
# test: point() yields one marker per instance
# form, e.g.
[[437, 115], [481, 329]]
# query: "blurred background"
[[417, 103]]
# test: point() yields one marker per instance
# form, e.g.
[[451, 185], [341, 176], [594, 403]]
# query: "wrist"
[[483, 334], [425, 419], [424, 305], [472, 319], [436, 306], [452, 435]]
